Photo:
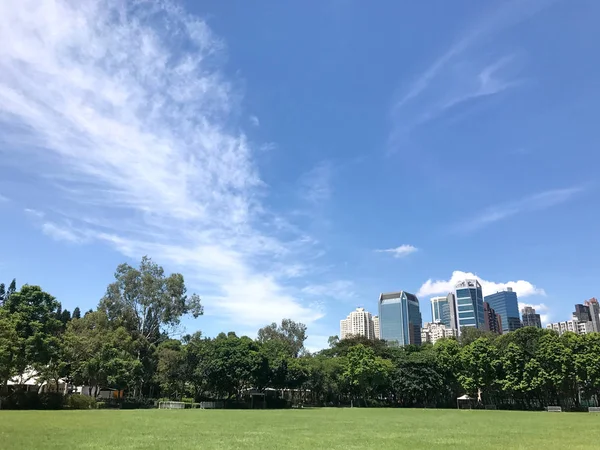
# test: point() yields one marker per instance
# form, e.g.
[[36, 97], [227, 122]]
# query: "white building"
[[376, 327], [432, 332], [359, 323], [573, 325]]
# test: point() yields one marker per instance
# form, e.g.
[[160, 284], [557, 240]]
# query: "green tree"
[[479, 360], [34, 314], [99, 354], [149, 305], [170, 371], [235, 363], [364, 372], [77, 313], [10, 344], [290, 332]]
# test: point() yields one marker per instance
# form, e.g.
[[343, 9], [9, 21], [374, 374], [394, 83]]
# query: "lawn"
[[298, 429]]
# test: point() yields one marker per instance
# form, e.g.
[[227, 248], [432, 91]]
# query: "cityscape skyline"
[[399, 323]]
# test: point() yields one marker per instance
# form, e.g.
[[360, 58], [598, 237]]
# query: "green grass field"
[[298, 429]]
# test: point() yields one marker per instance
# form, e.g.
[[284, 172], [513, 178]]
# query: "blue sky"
[[295, 160]]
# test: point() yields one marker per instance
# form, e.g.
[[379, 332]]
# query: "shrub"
[[51, 400], [78, 401], [100, 405]]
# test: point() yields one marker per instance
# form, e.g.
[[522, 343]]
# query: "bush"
[[100, 405], [22, 400], [51, 400], [78, 401], [32, 400]]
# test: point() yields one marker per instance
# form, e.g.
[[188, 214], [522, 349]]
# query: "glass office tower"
[[400, 318], [469, 304], [506, 305]]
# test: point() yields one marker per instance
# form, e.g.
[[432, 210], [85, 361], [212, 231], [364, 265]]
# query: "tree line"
[[129, 342]]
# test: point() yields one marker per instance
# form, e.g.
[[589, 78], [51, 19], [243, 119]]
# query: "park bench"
[[554, 409], [594, 409]]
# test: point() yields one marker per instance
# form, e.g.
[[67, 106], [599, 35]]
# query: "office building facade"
[[594, 308], [469, 304], [376, 327], [491, 321], [358, 323], [400, 318], [440, 310], [529, 318], [506, 305]]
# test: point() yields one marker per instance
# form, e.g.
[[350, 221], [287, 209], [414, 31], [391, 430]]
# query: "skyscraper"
[[469, 304], [376, 327], [452, 307], [582, 313], [358, 323], [491, 321], [506, 305], [400, 318], [440, 310], [594, 308], [530, 318]]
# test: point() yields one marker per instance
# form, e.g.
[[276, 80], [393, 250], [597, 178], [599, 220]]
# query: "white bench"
[[554, 409], [594, 409]]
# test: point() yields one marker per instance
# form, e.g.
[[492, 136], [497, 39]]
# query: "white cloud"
[[339, 289], [34, 212], [521, 287], [3, 198], [125, 106], [399, 252], [465, 72], [315, 184], [61, 233], [254, 121], [536, 202], [541, 309]]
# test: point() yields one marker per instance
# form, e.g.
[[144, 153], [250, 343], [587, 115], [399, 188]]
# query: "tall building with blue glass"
[[400, 318], [440, 311], [469, 304], [506, 305]]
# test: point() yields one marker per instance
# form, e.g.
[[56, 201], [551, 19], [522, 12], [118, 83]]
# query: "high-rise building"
[[440, 310], [376, 327], [400, 318], [469, 304], [491, 321], [582, 313], [432, 332], [506, 305], [594, 308], [452, 307], [573, 325], [530, 318], [358, 323]]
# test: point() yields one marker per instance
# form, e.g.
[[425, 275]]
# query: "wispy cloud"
[[399, 252], [315, 185], [536, 202], [463, 72], [34, 212], [339, 290], [124, 105], [62, 233], [254, 121], [3, 198], [436, 287]]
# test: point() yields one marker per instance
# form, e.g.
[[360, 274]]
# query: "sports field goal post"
[[171, 405]]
